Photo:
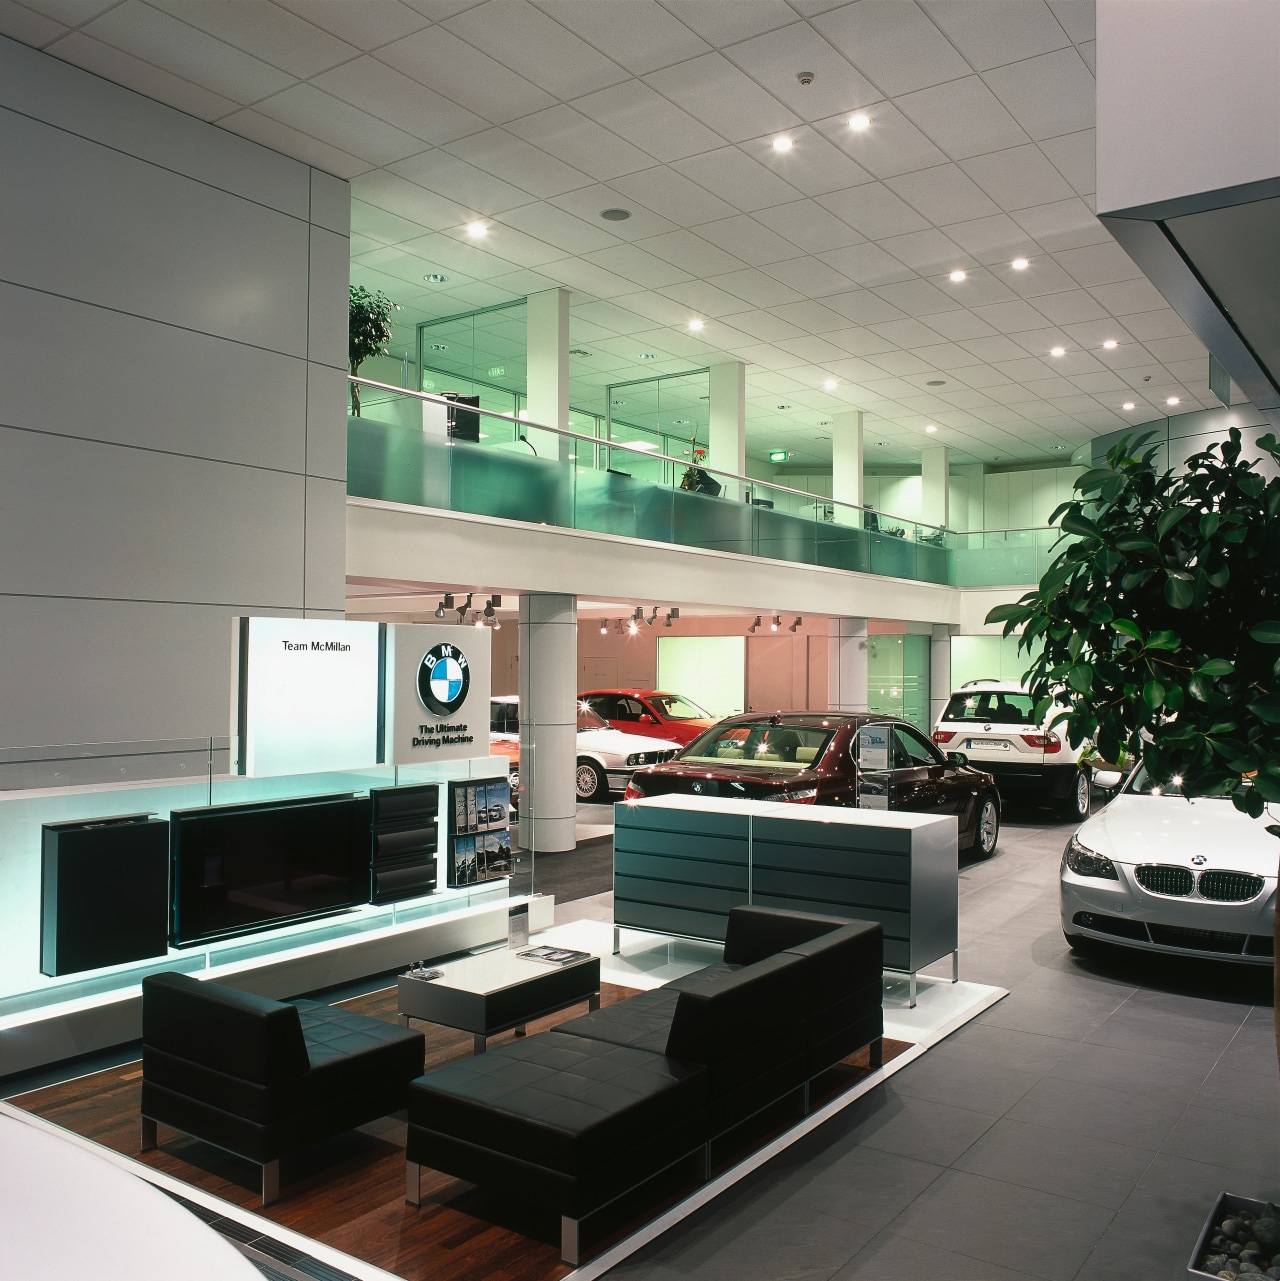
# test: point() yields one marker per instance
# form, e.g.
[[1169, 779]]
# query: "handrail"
[[641, 453]]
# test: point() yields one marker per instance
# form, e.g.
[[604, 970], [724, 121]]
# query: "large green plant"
[[369, 331], [1160, 622]]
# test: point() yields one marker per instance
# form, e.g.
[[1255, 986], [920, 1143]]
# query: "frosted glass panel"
[[711, 670], [986, 658]]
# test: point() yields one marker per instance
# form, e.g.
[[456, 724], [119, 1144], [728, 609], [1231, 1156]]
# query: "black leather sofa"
[[262, 1078], [572, 1118]]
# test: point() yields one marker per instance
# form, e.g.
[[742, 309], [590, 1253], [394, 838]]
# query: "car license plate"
[[987, 744]]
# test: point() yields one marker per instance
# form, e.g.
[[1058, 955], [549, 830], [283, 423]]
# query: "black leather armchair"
[[264, 1078]]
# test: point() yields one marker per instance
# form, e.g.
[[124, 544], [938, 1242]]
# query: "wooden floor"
[[349, 1192]]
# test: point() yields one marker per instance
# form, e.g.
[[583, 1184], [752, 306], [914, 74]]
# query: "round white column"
[[847, 665], [548, 722]]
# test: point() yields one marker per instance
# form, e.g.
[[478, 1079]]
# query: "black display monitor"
[[241, 868]]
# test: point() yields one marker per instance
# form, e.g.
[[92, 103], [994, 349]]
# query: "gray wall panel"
[[330, 278], [326, 422], [330, 202], [230, 401], [325, 584], [113, 230]]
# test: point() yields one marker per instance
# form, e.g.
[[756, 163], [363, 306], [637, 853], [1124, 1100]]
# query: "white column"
[[934, 473], [547, 369], [939, 671], [847, 665], [974, 475], [548, 722], [847, 464], [727, 420]]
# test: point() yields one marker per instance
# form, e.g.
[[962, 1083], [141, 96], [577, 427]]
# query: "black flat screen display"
[[242, 868]]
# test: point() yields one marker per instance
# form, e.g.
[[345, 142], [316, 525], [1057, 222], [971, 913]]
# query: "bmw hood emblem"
[[1199, 860], [697, 787]]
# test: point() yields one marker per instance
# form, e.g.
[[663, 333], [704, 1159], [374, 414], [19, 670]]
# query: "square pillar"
[[727, 419], [934, 478], [847, 461], [847, 665], [939, 670], [547, 370]]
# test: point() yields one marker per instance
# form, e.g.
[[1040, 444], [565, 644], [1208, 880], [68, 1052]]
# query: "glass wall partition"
[[898, 678]]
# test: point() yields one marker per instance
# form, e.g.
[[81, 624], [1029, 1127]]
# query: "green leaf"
[[1218, 577], [1153, 695], [1076, 523], [1217, 667], [1169, 519], [1179, 593], [1164, 640], [1094, 479], [1267, 710], [1127, 627], [1268, 788], [1135, 542], [1209, 523], [1080, 678], [1267, 633]]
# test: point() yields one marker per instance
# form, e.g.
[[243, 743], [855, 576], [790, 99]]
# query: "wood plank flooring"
[[349, 1192]]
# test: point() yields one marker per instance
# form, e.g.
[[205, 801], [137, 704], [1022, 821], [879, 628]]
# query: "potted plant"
[[368, 331]]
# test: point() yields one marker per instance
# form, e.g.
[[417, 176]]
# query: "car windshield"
[[761, 745], [675, 708], [589, 718], [999, 706], [1142, 784]]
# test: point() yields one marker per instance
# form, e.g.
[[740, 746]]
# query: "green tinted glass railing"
[[1000, 557]]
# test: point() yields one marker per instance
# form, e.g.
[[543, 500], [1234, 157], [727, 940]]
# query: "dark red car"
[[831, 758], [650, 712]]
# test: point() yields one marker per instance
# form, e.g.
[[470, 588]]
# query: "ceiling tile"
[[995, 238], [380, 224], [714, 91], [535, 46], [639, 35], [734, 176], [450, 66], [947, 355], [809, 226], [456, 180], [893, 44], [648, 120], [980, 288], [1099, 382], [942, 194], [570, 136], [674, 196], [873, 210], [723, 22], [1103, 264], [963, 117], [1089, 52], [392, 96], [1070, 306], [30, 28], [1018, 177], [992, 32], [756, 288], [692, 253], [1065, 224], [1091, 334], [907, 333], [1132, 357], [704, 299], [366, 26], [817, 350], [155, 37], [288, 141], [748, 239], [637, 265], [1011, 317], [504, 155], [892, 145], [813, 166], [812, 316], [900, 363], [867, 264], [1164, 323], [1073, 157], [400, 196], [588, 278], [588, 202], [811, 276], [1170, 351], [623, 314], [956, 325], [439, 250], [310, 110], [928, 252], [775, 60], [917, 297], [1043, 276], [863, 307], [133, 73], [764, 326], [1076, 17], [1048, 95], [554, 226]]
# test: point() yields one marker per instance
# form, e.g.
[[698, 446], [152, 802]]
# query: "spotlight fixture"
[[957, 276], [1057, 351], [695, 325], [782, 143], [1128, 404], [1110, 345], [615, 215], [638, 614], [478, 618], [440, 610], [462, 609], [436, 278], [1173, 400], [931, 429], [619, 630], [1019, 264], [604, 627], [754, 625], [796, 624], [830, 384], [477, 230], [633, 627], [488, 608], [777, 622], [652, 617], [497, 624], [648, 355], [860, 122]]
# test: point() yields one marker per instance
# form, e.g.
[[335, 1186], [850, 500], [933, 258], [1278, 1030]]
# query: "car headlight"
[[636, 758], [1086, 862]]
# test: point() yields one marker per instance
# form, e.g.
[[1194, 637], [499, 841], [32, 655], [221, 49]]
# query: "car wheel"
[[1076, 805], [590, 782], [987, 831]]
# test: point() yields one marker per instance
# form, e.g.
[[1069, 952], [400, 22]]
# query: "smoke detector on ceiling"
[[805, 77]]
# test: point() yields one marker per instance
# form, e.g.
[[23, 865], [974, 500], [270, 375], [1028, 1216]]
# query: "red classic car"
[[647, 711]]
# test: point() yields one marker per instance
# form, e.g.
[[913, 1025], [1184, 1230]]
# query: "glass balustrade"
[[399, 450]]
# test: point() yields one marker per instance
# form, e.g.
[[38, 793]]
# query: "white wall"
[[172, 422], [1025, 499]]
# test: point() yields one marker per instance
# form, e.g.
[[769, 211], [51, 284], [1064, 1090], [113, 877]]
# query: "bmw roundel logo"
[[1199, 860], [443, 679]]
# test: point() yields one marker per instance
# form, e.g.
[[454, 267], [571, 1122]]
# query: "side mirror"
[[646, 719], [1107, 780], [957, 758]]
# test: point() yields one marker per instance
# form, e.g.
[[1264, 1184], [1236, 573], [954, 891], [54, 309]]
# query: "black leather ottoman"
[[561, 1121]]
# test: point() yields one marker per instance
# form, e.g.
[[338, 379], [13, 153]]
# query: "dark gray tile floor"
[[1079, 1130]]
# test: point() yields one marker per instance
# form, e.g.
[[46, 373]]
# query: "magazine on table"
[[554, 955]]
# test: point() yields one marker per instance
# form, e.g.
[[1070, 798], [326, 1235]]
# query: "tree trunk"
[[355, 393]]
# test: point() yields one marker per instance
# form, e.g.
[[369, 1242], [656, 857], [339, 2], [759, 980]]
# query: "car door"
[[918, 774], [605, 706]]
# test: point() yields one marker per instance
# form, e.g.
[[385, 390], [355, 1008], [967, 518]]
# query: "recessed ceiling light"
[[859, 122], [1057, 351], [957, 276], [1110, 345], [615, 215], [1057, 449], [648, 355], [578, 351], [822, 437], [476, 230], [782, 143], [824, 422], [438, 346], [681, 422], [1019, 264], [1173, 400], [695, 325], [931, 429], [1128, 404], [831, 384], [882, 442], [936, 382], [435, 278], [617, 402], [784, 406]]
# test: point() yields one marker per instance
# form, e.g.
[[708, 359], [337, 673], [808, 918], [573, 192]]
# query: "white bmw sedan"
[[1156, 871]]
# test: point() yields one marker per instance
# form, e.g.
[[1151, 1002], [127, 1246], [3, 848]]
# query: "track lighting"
[[479, 619], [497, 624], [488, 609], [754, 625], [462, 609], [638, 615], [440, 610], [652, 617], [604, 627], [796, 624], [633, 627], [777, 622]]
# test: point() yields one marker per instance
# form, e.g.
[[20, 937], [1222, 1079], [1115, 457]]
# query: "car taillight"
[[801, 796], [941, 736], [1049, 742], [634, 791]]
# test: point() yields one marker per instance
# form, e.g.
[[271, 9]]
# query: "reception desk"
[[681, 862]]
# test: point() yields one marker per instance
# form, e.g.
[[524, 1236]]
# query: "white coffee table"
[[496, 991]]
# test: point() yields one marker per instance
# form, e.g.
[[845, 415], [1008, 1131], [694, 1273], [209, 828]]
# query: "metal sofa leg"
[[876, 1053], [148, 1139], [569, 1240], [413, 1182], [270, 1181]]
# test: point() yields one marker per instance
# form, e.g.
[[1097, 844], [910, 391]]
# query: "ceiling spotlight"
[[1172, 400], [652, 617], [497, 624], [754, 625], [462, 609], [648, 355], [957, 276], [440, 610], [796, 624], [695, 325], [782, 143], [435, 278], [783, 406], [674, 612], [831, 384], [619, 630], [1110, 345], [488, 609], [1128, 404], [931, 429], [633, 627], [777, 622], [1019, 264], [479, 619], [615, 215], [476, 229], [824, 422], [859, 122], [1057, 351], [604, 627], [639, 613]]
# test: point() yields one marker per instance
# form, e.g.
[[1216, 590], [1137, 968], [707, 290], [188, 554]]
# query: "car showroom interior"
[[701, 578]]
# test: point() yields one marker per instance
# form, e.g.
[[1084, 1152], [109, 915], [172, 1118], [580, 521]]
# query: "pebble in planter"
[[1244, 1245]]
